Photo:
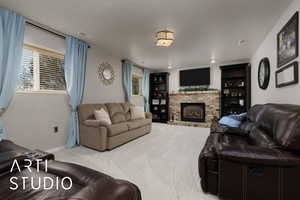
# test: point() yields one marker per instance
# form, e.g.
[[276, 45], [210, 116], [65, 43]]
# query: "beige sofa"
[[99, 136]]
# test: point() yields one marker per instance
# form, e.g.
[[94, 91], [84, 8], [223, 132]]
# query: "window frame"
[[140, 78], [36, 89]]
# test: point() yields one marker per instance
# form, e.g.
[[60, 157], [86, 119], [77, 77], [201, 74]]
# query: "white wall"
[[43, 39], [289, 94]]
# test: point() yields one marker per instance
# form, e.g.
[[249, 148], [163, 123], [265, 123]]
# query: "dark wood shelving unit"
[[159, 97], [235, 89]]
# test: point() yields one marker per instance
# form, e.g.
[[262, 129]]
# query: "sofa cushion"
[[137, 112], [116, 112], [254, 112], [116, 129], [260, 138], [247, 126], [126, 107], [102, 116], [134, 124], [86, 111], [282, 123], [95, 123]]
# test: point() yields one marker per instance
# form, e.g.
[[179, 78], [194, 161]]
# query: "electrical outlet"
[[55, 129]]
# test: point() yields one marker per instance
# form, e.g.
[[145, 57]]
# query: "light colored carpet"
[[164, 164]]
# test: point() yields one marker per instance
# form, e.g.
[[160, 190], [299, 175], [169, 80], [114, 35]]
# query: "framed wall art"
[[287, 41], [287, 75]]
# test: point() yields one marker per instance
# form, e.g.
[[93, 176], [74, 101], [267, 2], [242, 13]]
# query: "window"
[[42, 70], [136, 85]]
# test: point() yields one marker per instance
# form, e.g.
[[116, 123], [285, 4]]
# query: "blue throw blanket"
[[232, 120]]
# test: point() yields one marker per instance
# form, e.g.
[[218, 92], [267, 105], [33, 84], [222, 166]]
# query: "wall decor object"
[[106, 73], [287, 41], [288, 75], [264, 73]]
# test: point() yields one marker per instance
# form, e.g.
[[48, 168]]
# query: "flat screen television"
[[194, 77]]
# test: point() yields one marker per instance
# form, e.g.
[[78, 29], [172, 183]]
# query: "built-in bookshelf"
[[236, 89], [159, 97]]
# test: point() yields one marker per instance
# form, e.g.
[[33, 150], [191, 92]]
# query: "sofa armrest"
[[108, 189], [148, 115], [257, 155], [96, 185], [95, 123], [93, 134]]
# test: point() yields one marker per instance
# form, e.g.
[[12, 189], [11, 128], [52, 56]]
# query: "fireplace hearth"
[[193, 112]]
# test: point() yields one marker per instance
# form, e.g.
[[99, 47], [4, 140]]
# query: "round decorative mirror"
[[106, 73], [264, 73]]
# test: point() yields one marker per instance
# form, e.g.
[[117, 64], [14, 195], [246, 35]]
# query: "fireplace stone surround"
[[211, 99]]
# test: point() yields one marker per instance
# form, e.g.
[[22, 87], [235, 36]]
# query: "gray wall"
[[95, 90], [30, 117], [268, 48]]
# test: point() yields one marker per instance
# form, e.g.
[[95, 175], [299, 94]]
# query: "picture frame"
[[288, 41], [287, 75]]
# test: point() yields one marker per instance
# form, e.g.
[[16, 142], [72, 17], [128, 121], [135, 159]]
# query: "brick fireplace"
[[197, 108]]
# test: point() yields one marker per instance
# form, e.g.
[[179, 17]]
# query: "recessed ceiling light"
[[212, 61], [242, 42], [170, 67], [81, 34]]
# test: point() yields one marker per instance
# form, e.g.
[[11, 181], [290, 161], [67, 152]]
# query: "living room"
[[149, 100]]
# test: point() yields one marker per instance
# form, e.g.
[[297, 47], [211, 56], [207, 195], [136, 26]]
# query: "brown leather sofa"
[[259, 160], [102, 137], [87, 184]]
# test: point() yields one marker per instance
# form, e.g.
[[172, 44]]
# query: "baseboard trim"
[[56, 149]]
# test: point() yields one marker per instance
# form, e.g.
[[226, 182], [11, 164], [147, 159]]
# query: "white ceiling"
[[126, 28]]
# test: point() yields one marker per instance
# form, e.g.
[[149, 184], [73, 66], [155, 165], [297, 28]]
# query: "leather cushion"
[[138, 123], [259, 137], [282, 122], [116, 129], [247, 126], [254, 112], [257, 155]]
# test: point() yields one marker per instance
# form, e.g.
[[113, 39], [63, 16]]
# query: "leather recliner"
[[259, 160], [87, 184]]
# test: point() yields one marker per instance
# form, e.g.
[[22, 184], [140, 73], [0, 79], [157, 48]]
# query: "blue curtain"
[[127, 79], [11, 47], [75, 62], [145, 90]]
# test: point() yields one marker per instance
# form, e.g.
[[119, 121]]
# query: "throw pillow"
[[137, 112], [103, 116]]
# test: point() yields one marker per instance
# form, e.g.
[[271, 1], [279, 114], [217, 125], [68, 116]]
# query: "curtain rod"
[[47, 29]]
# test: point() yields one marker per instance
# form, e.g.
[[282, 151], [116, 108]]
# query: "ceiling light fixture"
[[212, 61], [170, 67], [164, 38]]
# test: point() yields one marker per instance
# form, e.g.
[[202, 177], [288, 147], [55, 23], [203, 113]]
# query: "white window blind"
[[42, 70], [25, 81]]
